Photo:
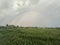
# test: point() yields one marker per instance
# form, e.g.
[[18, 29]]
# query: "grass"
[[29, 36]]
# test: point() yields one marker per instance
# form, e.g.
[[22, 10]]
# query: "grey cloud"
[[48, 12]]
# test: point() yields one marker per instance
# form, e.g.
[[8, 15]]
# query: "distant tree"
[[7, 25], [17, 26]]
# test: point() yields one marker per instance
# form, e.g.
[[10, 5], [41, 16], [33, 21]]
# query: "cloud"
[[44, 13]]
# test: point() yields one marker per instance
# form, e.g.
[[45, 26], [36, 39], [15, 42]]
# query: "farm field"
[[29, 36]]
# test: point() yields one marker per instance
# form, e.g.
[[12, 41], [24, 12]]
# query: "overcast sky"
[[42, 13]]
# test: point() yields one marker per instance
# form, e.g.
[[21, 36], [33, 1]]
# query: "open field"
[[29, 36]]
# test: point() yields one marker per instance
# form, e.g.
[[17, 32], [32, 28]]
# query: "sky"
[[37, 13]]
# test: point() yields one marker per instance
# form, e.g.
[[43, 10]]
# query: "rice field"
[[29, 36]]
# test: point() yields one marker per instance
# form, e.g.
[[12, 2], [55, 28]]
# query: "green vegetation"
[[15, 35]]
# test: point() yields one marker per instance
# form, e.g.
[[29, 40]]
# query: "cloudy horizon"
[[41, 13]]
